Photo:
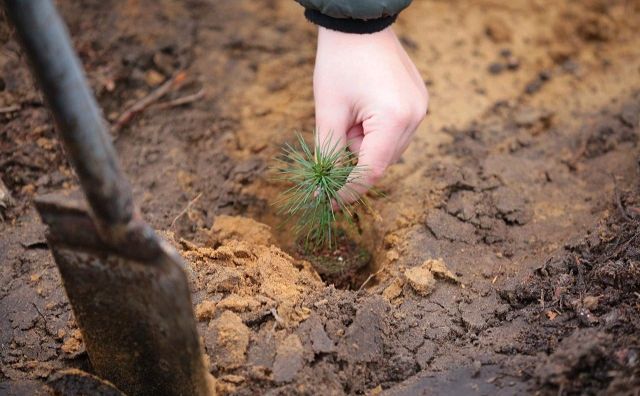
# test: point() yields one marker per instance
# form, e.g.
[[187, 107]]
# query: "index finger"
[[376, 154]]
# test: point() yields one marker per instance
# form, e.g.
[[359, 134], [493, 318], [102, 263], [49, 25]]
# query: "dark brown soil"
[[343, 264], [522, 184]]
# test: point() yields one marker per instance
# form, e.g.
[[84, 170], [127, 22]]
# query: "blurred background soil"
[[505, 248]]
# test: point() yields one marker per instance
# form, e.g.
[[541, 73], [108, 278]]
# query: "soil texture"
[[504, 250]]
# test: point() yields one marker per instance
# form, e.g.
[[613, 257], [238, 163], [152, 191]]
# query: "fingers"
[[376, 152], [354, 138], [385, 138], [332, 124]]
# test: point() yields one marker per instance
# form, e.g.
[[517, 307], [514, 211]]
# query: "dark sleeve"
[[353, 16]]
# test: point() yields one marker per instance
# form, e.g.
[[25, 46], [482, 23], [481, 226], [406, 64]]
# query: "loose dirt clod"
[[440, 270], [205, 310], [394, 290], [420, 279], [228, 341], [288, 359], [73, 344]]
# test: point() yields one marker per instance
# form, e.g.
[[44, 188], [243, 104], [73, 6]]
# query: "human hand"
[[369, 95]]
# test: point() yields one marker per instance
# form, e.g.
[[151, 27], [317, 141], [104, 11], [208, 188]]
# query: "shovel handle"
[[83, 131]]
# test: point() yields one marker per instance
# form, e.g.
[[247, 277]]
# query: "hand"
[[369, 95]]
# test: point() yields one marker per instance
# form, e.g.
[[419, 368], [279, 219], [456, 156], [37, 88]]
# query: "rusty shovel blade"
[[126, 286], [135, 315]]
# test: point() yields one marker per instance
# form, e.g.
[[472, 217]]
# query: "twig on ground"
[[572, 163], [183, 100], [10, 109], [619, 204], [185, 210], [44, 320], [276, 316], [19, 160], [279, 320], [369, 278], [5, 199], [148, 100]]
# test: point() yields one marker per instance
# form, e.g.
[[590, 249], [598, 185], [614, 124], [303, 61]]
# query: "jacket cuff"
[[349, 25]]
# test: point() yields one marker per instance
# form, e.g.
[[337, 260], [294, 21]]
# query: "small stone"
[[496, 68], [289, 359], [153, 78], [513, 63], [420, 279], [505, 52], [545, 75]]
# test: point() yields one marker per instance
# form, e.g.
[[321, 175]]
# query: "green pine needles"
[[317, 176]]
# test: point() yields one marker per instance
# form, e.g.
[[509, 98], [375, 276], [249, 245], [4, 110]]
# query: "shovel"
[[127, 287]]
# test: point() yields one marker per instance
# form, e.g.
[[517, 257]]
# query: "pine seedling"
[[313, 202]]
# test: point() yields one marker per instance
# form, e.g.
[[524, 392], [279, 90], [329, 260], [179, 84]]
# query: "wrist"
[[349, 25], [351, 40]]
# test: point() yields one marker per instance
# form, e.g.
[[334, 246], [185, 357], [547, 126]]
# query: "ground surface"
[[506, 247]]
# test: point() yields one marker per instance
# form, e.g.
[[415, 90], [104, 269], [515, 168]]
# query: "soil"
[[505, 248], [344, 264]]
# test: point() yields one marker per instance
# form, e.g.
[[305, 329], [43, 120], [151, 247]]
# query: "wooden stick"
[[183, 100], [10, 109], [369, 278], [185, 210], [148, 100]]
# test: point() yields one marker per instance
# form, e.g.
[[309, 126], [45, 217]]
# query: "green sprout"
[[313, 201]]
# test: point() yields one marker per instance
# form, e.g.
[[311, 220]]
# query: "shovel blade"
[[135, 314]]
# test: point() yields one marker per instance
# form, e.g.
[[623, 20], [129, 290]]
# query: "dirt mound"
[[250, 278]]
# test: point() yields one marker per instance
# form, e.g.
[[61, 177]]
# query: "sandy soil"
[[505, 249]]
